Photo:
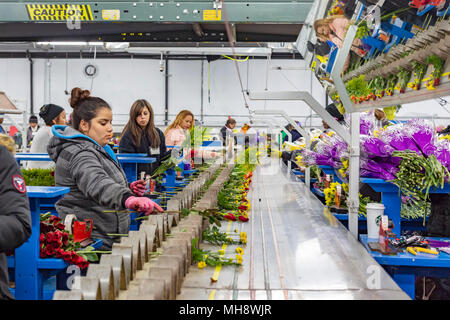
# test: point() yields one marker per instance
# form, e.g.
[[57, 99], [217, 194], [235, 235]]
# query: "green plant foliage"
[[39, 177]]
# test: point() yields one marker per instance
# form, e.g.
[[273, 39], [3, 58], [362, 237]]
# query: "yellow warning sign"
[[59, 12], [212, 15], [111, 14]]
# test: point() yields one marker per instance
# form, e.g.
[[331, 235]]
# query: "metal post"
[[353, 201], [31, 83], [201, 92], [47, 84], [166, 88]]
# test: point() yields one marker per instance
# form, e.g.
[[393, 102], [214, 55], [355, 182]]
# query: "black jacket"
[[127, 145], [224, 134], [15, 218], [295, 136]]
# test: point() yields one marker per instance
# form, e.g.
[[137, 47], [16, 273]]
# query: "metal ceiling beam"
[[309, 100], [155, 11]]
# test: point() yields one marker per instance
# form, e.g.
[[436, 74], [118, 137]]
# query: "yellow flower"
[[236, 230], [345, 187], [205, 256], [243, 235], [201, 264], [239, 259], [230, 239], [221, 252], [239, 250], [244, 240]]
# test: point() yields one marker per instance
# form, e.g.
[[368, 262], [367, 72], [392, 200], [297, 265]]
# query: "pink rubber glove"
[[142, 204], [138, 187]]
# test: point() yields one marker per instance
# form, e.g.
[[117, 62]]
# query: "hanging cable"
[[234, 58]]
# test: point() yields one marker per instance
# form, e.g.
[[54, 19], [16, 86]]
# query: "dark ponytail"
[[84, 106]]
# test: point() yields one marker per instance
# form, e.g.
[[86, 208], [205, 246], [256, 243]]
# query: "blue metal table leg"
[[392, 203], [27, 276], [406, 281]]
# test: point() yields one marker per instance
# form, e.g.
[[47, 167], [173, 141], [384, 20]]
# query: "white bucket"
[[374, 213]]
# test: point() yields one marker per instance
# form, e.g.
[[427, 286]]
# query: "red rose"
[[45, 227], [66, 255], [241, 207], [54, 219], [60, 226], [73, 255], [59, 253], [50, 236], [230, 217], [41, 238], [81, 262], [49, 251], [243, 219], [65, 238], [57, 235]]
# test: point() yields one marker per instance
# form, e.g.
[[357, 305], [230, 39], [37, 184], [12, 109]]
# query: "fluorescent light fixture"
[[69, 43], [201, 51], [117, 46]]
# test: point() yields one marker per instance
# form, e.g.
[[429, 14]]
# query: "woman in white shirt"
[[51, 114]]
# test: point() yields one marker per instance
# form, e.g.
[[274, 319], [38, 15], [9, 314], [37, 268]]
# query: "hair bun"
[[77, 96]]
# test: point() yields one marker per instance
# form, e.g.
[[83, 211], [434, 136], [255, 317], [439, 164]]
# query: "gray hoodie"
[[97, 183]]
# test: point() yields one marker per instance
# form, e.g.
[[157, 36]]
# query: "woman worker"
[[52, 114], [15, 219], [141, 136], [227, 130], [85, 163], [176, 132]]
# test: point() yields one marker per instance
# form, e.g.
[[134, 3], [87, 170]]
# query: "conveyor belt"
[[296, 250]]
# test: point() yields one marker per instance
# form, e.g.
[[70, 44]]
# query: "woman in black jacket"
[[15, 219], [141, 136]]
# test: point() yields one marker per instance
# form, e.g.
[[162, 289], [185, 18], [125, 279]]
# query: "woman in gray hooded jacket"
[[84, 162]]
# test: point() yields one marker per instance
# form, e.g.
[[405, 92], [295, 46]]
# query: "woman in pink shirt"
[[334, 29], [175, 133]]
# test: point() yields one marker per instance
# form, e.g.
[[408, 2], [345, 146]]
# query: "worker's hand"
[[138, 187], [142, 204]]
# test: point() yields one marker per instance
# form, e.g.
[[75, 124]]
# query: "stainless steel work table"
[[296, 249]]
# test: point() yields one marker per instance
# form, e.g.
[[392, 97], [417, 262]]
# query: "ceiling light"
[[69, 43], [201, 51]]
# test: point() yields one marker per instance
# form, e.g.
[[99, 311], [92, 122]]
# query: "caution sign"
[[212, 15], [59, 12]]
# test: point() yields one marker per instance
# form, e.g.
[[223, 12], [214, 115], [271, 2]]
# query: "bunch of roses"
[[54, 241]]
